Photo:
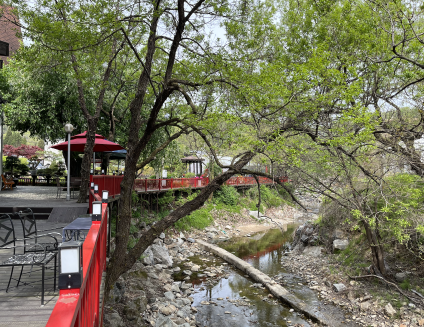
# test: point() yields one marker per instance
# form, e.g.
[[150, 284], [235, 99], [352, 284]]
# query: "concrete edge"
[[277, 290]]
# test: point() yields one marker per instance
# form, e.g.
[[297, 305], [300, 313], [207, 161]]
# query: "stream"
[[228, 298]]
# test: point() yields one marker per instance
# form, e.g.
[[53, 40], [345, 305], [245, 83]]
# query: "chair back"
[[29, 225], [7, 232], [3, 178]]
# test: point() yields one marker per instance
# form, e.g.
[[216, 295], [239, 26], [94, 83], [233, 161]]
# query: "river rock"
[[161, 255], [118, 291], [340, 245], [163, 321], [113, 319], [210, 235], [338, 234], [131, 311], [400, 277], [195, 268], [211, 230], [304, 239], [191, 240], [308, 231], [148, 257], [388, 309], [313, 240], [313, 251], [170, 296], [176, 287], [162, 236], [339, 287]]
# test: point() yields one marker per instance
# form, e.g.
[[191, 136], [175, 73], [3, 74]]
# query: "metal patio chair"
[[32, 235], [34, 258]]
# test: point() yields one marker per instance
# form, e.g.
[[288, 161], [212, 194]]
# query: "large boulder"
[[113, 320], [400, 277], [164, 321], [161, 255], [118, 290], [148, 257], [340, 245], [131, 311]]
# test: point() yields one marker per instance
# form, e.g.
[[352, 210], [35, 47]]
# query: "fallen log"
[[277, 290]]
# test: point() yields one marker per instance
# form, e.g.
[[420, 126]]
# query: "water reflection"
[[232, 299]]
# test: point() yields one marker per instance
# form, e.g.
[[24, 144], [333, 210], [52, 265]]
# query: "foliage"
[[198, 219], [227, 195], [23, 150], [269, 196], [189, 175], [14, 139], [14, 164], [134, 198]]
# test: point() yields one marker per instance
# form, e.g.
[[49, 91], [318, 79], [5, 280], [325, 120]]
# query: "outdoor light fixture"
[[96, 188], [70, 265], [91, 171], [105, 196], [68, 129], [97, 211], [113, 172], [103, 171], [92, 185]]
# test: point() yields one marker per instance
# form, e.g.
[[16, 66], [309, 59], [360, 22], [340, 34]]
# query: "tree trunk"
[[122, 260], [76, 162], [376, 249], [86, 160]]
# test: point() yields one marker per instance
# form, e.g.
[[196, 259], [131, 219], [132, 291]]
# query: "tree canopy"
[[328, 89]]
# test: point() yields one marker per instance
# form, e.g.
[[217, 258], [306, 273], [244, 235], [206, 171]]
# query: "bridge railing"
[[113, 183], [80, 307]]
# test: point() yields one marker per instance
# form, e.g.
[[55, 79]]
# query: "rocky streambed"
[[178, 283]]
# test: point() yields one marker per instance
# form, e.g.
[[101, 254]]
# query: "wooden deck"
[[22, 306]]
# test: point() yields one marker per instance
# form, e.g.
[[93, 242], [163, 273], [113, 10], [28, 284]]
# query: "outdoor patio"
[[38, 196], [22, 306]]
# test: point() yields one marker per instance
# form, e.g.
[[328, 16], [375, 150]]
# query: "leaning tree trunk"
[[86, 160], [377, 251], [122, 260]]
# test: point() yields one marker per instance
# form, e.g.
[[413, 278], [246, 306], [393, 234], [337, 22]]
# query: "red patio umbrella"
[[78, 143]]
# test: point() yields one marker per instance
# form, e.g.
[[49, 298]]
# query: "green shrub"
[[227, 195], [134, 198], [405, 285], [199, 219]]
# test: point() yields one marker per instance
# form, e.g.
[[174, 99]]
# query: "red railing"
[[80, 307], [113, 183], [109, 182]]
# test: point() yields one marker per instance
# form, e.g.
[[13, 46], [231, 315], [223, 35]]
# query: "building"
[[10, 35]]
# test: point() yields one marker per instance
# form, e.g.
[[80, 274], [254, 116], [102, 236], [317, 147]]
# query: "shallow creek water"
[[233, 302]]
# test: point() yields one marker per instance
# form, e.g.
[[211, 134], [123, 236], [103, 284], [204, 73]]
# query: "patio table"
[[75, 230]]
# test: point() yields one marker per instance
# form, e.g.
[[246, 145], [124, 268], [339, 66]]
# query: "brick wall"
[[9, 32]]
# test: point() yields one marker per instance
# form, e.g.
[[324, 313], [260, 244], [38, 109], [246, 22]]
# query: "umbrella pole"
[[118, 165]]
